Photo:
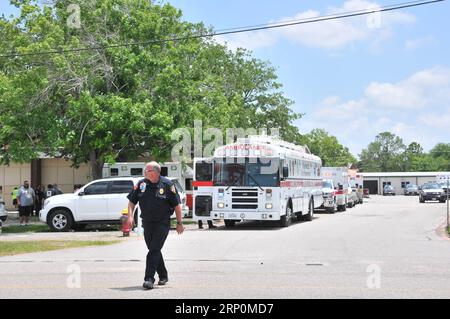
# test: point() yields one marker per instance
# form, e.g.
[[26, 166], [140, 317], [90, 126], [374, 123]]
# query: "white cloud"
[[331, 100], [418, 91], [330, 34], [250, 41], [437, 120], [416, 109], [415, 44]]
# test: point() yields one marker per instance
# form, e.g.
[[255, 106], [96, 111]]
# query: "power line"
[[239, 29], [376, 8]]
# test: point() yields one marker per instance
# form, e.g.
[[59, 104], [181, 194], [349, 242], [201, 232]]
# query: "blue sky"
[[354, 77]]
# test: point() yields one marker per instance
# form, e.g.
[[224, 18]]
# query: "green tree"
[[427, 163], [121, 101], [413, 152], [328, 148], [385, 154], [441, 153]]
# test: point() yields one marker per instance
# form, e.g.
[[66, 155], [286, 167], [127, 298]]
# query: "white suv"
[[99, 202], [3, 214]]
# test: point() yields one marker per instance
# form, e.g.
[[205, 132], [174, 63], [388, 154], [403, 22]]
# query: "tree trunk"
[[96, 166]]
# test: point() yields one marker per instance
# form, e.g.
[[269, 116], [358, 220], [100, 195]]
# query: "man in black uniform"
[[157, 198]]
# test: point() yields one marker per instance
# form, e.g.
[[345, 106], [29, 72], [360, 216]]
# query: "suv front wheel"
[[60, 220]]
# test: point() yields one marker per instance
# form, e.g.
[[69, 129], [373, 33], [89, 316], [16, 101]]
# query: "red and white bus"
[[257, 178]]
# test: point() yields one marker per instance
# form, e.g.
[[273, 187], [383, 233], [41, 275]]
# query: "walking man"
[[157, 198]]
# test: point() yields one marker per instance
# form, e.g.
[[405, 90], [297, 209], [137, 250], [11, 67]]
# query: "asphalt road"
[[386, 248]]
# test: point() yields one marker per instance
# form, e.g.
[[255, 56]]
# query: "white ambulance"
[[257, 178], [344, 192]]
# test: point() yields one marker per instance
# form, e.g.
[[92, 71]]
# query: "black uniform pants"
[[155, 235]]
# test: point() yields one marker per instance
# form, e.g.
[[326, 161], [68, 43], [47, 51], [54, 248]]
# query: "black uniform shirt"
[[157, 201]]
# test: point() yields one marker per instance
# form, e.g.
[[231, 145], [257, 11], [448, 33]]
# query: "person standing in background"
[[40, 197], [58, 191], [14, 196], [25, 199]]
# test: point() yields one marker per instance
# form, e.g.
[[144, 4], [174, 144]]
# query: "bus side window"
[[164, 171]]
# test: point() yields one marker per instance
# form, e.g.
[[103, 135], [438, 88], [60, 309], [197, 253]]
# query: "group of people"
[[29, 201]]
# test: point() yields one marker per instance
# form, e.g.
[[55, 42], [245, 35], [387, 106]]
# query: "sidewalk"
[[93, 232]]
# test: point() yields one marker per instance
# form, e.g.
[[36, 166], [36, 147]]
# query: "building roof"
[[404, 174]]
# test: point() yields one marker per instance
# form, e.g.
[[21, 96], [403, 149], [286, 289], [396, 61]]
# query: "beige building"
[[42, 172], [375, 182]]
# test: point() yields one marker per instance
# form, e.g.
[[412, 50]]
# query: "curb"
[[441, 231]]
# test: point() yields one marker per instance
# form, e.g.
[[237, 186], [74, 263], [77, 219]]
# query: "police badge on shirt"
[[161, 192]]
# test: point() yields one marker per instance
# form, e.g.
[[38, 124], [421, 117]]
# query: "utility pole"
[[448, 207]]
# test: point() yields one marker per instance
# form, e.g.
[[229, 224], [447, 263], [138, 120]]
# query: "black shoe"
[[148, 285], [163, 281], [212, 226]]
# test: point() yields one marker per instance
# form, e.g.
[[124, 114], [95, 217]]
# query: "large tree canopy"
[[328, 148], [124, 95], [388, 153]]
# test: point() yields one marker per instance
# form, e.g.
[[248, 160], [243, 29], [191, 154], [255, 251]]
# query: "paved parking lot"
[[388, 247]]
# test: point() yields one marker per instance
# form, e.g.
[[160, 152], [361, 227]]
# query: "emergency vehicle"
[[257, 178], [356, 182], [343, 190], [177, 170]]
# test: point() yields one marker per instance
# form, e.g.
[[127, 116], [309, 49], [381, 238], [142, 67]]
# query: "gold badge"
[[161, 191]]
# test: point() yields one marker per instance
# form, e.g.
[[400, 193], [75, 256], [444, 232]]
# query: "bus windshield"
[[247, 172]]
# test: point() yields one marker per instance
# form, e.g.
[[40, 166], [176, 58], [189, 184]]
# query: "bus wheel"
[[285, 220], [230, 223], [310, 216]]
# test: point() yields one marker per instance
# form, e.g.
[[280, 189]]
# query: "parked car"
[[99, 202], [329, 196], [388, 190], [3, 214], [341, 198], [351, 196], [411, 189], [445, 188], [431, 191]]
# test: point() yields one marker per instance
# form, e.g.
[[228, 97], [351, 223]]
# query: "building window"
[[404, 184], [386, 183]]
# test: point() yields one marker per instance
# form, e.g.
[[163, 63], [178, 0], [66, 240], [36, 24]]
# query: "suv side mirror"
[[81, 194], [285, 172]]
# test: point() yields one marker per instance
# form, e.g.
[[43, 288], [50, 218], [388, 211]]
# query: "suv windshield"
[[247, 172], [431, 186], [327, 184]]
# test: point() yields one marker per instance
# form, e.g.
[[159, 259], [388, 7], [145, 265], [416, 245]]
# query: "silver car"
[[411, 189]]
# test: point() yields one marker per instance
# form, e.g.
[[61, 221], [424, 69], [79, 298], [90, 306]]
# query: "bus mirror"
[[286, 172]]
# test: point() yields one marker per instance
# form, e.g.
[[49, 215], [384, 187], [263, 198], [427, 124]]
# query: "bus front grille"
[[244, 199]]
